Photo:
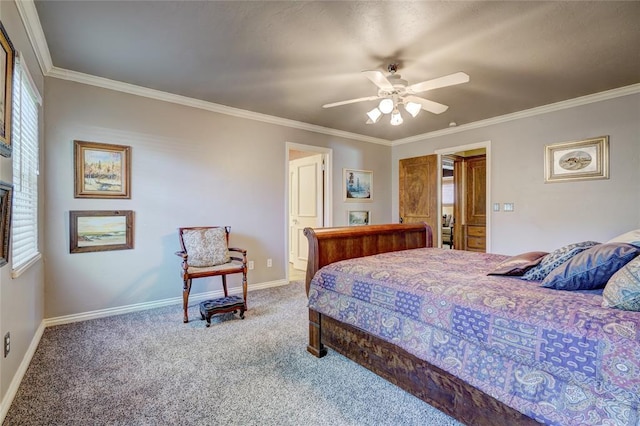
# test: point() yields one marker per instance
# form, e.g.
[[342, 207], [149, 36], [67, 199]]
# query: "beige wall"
[[190, 167], [549, 215], [21, 299]]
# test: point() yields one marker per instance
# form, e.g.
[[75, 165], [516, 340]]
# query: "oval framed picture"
[[578, 160]]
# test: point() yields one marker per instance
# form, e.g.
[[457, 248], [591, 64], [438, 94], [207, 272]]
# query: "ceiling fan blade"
[[447, 80], [427, 105], [379, 79], [350, 101]]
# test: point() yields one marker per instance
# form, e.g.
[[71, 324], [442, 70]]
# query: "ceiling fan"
[[393, 90]]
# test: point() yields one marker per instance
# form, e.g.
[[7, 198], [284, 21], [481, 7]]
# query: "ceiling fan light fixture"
[[396, 118], [386, 105], [413, 108], [374, 115]]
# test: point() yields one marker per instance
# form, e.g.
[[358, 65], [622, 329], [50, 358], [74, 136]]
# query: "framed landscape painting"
[[102, 170], [358, 217], [7, 57], [581, 160], [358, 185], [100, 230]]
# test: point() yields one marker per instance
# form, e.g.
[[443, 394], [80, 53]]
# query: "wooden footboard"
[[418, 377]]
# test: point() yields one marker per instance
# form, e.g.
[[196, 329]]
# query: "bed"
[[487, 350]]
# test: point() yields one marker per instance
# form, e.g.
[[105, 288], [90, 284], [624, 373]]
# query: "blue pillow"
[[555, 259], [591, 268]]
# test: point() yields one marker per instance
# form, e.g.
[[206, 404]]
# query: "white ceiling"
[[287, 59]]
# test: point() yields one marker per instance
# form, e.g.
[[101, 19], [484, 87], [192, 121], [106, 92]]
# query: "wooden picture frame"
[[358, 217], [102, 170], [579, 160], [7, 62], [358, 185], [6, 198], [100, 230]]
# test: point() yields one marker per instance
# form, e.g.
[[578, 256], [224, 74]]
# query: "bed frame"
[[427, 382]]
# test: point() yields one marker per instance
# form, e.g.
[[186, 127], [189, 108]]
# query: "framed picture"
[[7, 57], [100, 230], [358, 185], [6, 191], [102, 170], [358, 217], [580, 160]]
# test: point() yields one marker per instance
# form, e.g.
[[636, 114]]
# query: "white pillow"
[[631, 237]]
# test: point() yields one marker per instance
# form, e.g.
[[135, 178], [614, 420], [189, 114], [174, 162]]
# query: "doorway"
[[308, 198], [466, 171]]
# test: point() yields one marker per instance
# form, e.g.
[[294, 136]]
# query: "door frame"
[[327, 210], [452, 150]]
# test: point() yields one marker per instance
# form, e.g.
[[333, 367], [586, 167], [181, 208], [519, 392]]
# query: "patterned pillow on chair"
[[206, 247], [555, 259]]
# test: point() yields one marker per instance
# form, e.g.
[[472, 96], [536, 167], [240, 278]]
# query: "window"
[[447, 191], [24, 228]]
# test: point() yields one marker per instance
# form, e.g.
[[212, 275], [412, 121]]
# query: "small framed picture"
[[6, 190], [580, 160], [358, 217], [100, 230], [102, 170], [358, 185]]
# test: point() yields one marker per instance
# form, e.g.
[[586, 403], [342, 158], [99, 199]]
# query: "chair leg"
[[224, 285], [244, 289], [186, 289]]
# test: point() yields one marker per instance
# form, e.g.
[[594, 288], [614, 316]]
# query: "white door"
[[305, 204]]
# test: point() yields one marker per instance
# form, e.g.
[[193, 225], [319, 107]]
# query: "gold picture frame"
[[578, 160], [7, 61], [6, 197], [100, 230], [102, 170]]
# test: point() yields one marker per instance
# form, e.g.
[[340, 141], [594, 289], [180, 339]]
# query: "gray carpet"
[[148, 368]]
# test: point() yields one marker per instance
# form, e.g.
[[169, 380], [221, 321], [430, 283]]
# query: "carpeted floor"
[[148, 368]]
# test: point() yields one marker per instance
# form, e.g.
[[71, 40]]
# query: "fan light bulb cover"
[[374, 115], [396, 118], [412, 108], [386, 105]]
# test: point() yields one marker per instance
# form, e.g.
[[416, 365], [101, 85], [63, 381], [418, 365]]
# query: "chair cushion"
[[222, 268], [555, 259], [206, 247], [592, 268], [623, 288], [519, 264]]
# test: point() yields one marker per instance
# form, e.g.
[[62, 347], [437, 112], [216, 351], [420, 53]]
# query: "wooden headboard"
[[328, 245]]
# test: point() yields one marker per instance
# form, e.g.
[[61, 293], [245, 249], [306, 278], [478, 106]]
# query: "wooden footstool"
[[208, 308]]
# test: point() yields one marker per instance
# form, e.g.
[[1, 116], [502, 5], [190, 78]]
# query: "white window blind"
[[447, 191], [24, 228]]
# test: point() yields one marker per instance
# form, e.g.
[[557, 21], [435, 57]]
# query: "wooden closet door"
[[476, 202], [418, 184]]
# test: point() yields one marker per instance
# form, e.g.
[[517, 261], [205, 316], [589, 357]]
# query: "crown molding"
[[571, 103], [209, 106], [31, 21]]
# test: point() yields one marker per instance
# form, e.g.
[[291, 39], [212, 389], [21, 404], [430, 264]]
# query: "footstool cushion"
[[211, 307]]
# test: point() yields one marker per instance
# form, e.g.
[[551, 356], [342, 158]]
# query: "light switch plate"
[[496, 207], [508, 207]]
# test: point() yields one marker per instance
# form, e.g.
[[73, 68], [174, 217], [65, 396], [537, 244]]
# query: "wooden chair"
[[206, 253]]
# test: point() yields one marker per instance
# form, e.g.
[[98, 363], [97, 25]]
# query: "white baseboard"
[[67, 319], [22, 369], [101, 313]]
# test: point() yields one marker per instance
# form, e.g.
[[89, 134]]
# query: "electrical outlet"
[[269, 263], [7, 344], [251, 264]]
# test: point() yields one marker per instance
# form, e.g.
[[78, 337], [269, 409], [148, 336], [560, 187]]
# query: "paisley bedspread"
[[556, 356]]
